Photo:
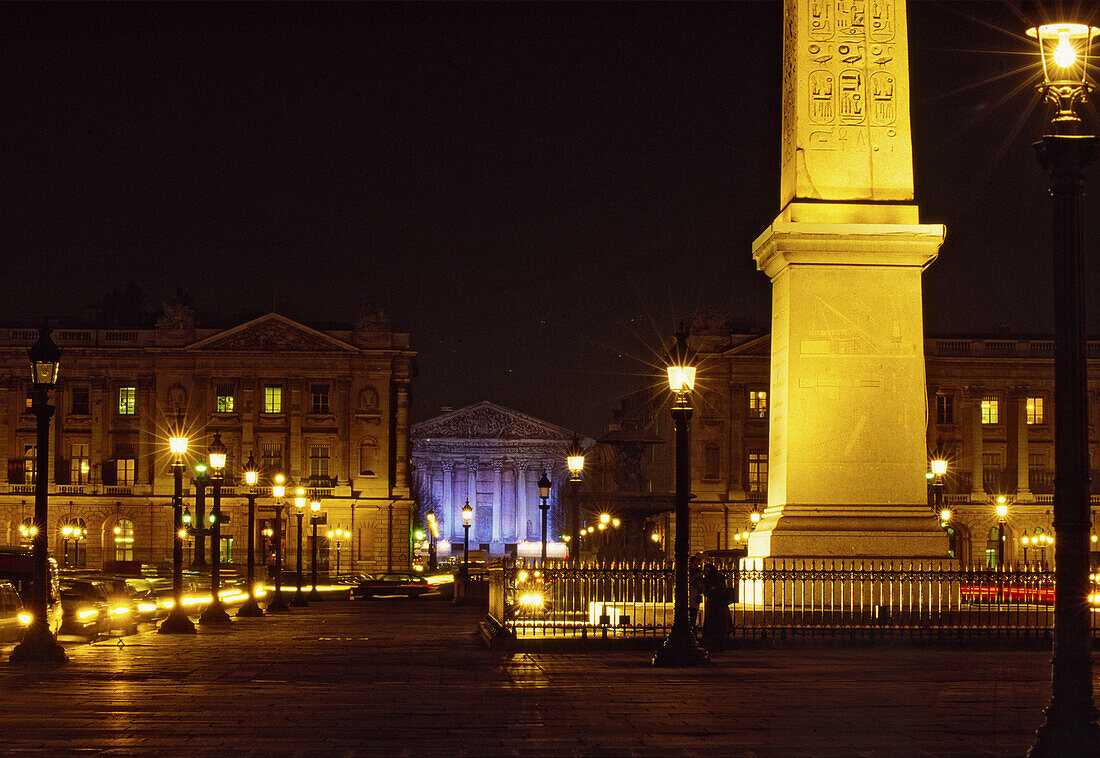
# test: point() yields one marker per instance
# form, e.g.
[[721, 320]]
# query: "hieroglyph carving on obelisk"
[[846, 132]]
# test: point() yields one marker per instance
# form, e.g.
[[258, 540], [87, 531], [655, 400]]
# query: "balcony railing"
[[792, 599]]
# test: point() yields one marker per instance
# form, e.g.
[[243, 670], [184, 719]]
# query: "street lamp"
[[433, 536], [680, 648], [1024, 542], [251, 475], [1002, 514], [1070, 726], [214, 613], [278, 602], [337, 537], [198, 555], [299, 600], [574, 461], [544, 506], [314, 520], [39, 644], [177, 621], [467, 517]]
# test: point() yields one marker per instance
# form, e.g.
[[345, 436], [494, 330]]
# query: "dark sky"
[[536, 192]]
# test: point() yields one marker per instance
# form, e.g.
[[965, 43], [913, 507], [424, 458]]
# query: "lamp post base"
[[278, 604], [679, 650], [214, 614], [250, 609], [314, 596], [38, 646], [176, 622], [1067, 731]]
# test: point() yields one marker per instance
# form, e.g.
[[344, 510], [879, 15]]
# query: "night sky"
[[537, 192]]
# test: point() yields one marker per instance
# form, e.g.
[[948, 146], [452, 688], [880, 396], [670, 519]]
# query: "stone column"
[[449, 498], [293, 409], [521, 499], [471, 492], [1023, 480], [498, 464], [977, 487], [401, 438]]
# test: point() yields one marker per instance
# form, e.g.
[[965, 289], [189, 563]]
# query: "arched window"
[[73, 533], [368, 453], [124, 540], [711, 461], [26, 531]]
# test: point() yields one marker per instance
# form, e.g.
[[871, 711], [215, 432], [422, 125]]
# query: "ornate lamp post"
[[337, 537], [680, 648], [198, 553], [574, 461], [39, 644], [214, 613], [314, 520], [251, 475], [939, 468], [1002, 514], [177, 621], [467, 517], [544, 506], [299, 600], [1070, 726], [278, 602]]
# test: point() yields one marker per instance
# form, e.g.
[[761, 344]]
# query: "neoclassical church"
[[493, 458]]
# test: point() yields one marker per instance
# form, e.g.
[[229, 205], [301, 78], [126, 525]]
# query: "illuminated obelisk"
[[848, 412]]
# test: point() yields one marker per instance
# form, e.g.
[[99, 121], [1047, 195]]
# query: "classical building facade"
[[328, 409], [492, 458], [990, 413]]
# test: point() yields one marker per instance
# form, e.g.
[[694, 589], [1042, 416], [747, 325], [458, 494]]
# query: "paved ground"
[[395, 677]]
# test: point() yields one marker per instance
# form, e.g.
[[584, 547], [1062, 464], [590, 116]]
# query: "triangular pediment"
[[272, 332], [487, 421], [752, 345]]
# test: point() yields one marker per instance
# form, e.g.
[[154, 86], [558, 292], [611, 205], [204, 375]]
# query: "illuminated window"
[[319, 394], [1035, 410], [127, 401], [272, 457], [79, 466], [30, 460], [991, 410], [125, 469], [711, 461], [123, 534], [758, 403], [757, 480], [992, 548], [945, 409], [273, 398], [225, 399], [318, 461], [80, 401]]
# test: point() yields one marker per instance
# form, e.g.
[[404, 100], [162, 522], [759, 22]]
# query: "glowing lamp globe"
[[278, 485], [467, 513], [314, 505], [45, 359], [574, 459], [544, 486], [1064, 49], [216, 454], [251, 472], [939, 467], [681, 369], [300, 498]]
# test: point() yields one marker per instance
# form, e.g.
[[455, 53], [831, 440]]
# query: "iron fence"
[[840, 598]]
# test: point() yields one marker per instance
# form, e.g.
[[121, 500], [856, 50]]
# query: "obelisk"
[[847, 451]]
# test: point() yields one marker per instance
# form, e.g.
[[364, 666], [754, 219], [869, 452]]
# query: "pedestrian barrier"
[[831, 598]]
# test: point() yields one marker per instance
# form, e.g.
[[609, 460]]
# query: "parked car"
[[85, 609], [409, 585], [12, 618], [17, 567]]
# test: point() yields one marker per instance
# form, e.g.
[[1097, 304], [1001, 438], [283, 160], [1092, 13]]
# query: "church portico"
[[492, 458]]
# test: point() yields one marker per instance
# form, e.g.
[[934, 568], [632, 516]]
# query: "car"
[[410, 585], [12, 618], [85, 608], [17, 567], [123, 605]]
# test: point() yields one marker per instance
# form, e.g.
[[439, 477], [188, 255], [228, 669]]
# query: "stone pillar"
[[6, 436], [471, 495], [401, 440], [1023, 478], [977, 476], [521, 500], [454, 520], [293, 411], [498, 464]]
